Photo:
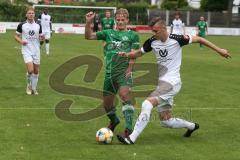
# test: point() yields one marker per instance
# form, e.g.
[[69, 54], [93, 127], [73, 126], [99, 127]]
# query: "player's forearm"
[[131, 63], [209, 44], [134, 54], [18, 39], [88, 30]]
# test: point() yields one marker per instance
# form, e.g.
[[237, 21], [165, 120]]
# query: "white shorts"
[[31, 58], [165, 93], [47, 35]]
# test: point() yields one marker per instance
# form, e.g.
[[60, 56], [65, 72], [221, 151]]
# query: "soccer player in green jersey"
[[107, 22], [201, 28], [118, 77]]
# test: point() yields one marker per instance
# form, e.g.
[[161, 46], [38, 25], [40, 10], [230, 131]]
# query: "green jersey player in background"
[[201, 28], [107, 22], [118, 77]]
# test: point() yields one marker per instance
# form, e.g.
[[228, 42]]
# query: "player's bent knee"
[[30, 72], [145, 105]]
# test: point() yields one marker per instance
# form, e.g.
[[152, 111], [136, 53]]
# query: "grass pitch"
[[30, 129]]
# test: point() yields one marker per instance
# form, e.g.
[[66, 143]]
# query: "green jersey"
[[117, 41], [107, 23], [202, 25]]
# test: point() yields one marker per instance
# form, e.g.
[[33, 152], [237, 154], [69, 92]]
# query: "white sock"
[[47, 48], [142, 120], [178, 123], [34, 81], [28, 77]]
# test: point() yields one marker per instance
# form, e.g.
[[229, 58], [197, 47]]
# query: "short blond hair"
[[30, 9], [122, 11]]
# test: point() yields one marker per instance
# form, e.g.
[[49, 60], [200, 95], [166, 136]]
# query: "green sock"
[[128, 115], [128, 112]]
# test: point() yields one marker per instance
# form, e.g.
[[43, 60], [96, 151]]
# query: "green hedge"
[[137, 11], [11, 13]]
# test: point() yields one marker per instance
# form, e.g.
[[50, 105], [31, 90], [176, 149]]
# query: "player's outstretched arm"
[[133, 54], [222, 52], [89, 34]]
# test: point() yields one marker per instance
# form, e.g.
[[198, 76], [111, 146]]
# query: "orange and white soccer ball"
[[104, 136]]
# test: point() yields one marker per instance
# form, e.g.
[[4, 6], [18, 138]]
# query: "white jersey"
[[169, 55], [30, 33], [177, 26], [46, 21]]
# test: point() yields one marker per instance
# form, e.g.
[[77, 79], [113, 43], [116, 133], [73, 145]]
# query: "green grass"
[[30, 130]]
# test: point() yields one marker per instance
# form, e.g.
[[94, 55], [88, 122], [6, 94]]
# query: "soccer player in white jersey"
[[29, 34], [168, 52], [46, 22], [177, 25]]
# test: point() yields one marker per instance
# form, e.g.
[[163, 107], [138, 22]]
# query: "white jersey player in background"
[[168, 52], [29, 34], [46, 22], [177, 25]]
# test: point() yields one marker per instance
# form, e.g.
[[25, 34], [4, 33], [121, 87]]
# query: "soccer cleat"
[[124, 140], [34, 92], [189, 131], [112, 125], [28, 89]]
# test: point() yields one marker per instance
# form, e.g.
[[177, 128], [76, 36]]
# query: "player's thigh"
[[165, 93], [28, 60], [109, 87], [165, 115], [164, 88], [47, 36], [36, 58]]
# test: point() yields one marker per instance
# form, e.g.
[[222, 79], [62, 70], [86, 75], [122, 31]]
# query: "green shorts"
[[113, 83], [202, 35]]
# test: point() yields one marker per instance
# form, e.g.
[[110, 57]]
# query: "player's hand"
[[41, 37], [24, 43], [90, 16], [122, 54], [224, 53]]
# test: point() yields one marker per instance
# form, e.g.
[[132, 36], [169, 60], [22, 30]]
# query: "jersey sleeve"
[[101, 35], [147, 45], [135, 42], [40, 28], [182, 39], [19, 28]]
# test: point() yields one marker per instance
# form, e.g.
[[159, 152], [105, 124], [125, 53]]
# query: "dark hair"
[[177, 13], [157, 20]]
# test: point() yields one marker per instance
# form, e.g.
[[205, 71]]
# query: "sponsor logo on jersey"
[[163, 53], [31, 32]]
